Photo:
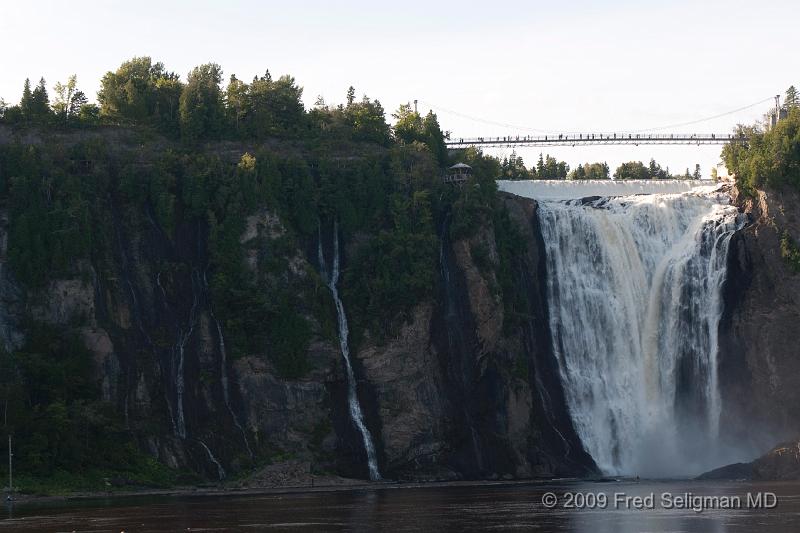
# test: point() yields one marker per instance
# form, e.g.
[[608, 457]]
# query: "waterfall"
[[356, 414], [178, 358], [220, 470], [223, 370], [634, 296], [563, 190], [225, 390]]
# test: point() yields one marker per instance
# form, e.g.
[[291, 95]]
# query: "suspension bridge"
[[576, 139], [644, 136]]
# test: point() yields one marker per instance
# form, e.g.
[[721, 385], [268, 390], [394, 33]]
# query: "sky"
[[486, 68]]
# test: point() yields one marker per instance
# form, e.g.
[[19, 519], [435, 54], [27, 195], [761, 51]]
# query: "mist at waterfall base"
[[634, 280]]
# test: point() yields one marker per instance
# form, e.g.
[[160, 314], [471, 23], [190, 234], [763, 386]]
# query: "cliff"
[[459, 394], [759, 364], [781, 463], [455, 389]]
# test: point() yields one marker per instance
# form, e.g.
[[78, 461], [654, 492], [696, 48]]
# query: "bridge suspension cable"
[[485, 121], [698, 121], [538, 130]]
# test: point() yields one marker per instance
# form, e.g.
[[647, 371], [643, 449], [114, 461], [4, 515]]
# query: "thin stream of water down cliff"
[[356, 413], [634, 296]]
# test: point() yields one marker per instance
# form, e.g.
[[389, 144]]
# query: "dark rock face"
[[460, 397], [782, 463], [759, 363], [11, 336], [734, 471], [454, 395]]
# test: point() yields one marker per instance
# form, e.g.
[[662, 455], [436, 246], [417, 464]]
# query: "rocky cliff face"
[[11, 336], [459, 395], [781, 463], [455, 394], [759, 364]]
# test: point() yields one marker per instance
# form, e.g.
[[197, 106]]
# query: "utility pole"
[[10, 474]]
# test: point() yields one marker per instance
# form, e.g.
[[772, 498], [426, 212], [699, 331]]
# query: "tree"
[[26, 103], [408, 125], [411, 127], [167, 94], [202, 111], [579, 173], [270, 107], [236, 101], [68, 100], [597, 171], [351, 95], [551, 169], [141, 92], [697, 175], [766, 158], [632, 170], [259, 118], [39, 107], [433, 137], [286, 102], [513, 168], [367, 121], [656, 172], [89, 114], [792, 99], [590, 171]]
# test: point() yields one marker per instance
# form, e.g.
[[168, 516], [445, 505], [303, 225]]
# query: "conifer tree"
[[26, 103], [792, 100], [40, 102]]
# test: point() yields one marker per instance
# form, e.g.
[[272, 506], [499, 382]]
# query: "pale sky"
[[618, 65]]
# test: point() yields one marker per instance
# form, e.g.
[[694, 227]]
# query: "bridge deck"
[[595, 138]]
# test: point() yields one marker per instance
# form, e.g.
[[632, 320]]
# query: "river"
[[437, 508]]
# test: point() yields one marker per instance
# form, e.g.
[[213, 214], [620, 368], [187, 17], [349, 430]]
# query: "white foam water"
[[634, 296]]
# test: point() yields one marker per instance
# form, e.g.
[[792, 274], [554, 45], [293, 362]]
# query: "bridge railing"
[[569, 138]]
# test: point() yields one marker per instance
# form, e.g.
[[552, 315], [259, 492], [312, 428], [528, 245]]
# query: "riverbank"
[[321, 485]]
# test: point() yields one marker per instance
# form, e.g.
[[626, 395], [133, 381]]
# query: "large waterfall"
[[356, 414], [634, 294]]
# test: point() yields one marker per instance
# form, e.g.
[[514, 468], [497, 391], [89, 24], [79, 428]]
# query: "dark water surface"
[[429, 509]]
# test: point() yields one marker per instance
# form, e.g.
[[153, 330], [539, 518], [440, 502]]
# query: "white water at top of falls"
[[634, 296], [566, 189], [356, 414]]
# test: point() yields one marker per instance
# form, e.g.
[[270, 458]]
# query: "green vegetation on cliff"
[[790, 251], [64, 436], [218, 193], [96, 181], [770, 159], [767, 158]]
